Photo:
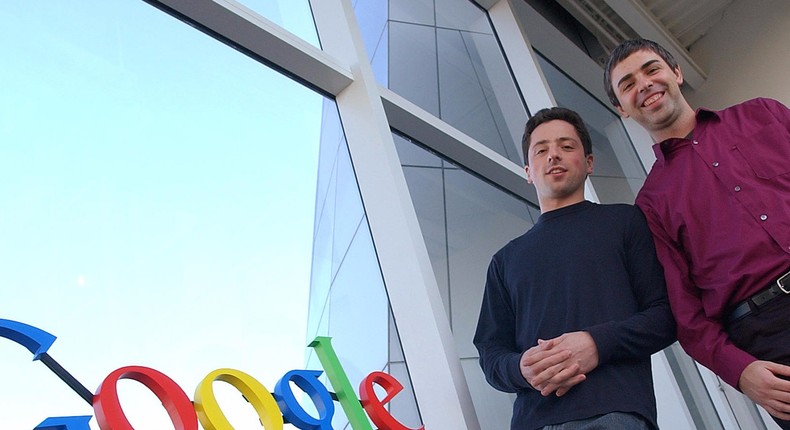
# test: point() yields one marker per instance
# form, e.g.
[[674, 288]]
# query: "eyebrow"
[[630, 75], [546, 141]]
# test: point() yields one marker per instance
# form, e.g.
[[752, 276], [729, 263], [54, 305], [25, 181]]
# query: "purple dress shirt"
[[718, 205]]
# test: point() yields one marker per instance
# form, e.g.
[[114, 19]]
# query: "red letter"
[[108, 410], [375, 407]]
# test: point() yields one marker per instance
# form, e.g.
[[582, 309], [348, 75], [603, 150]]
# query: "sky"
[[156, 204]]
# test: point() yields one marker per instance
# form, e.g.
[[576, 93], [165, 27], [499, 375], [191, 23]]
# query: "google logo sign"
[[273, 409]]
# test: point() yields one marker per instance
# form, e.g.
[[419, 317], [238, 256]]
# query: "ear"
[[589, 164], [678, 76], [622, 113], [529, 175]]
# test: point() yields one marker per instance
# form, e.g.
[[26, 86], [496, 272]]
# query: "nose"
[[554, 154], [643, 82]]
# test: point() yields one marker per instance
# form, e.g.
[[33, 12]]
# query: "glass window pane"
[[461, 16], [443, 56], [156, 204], [464, 221], [348, 299], [414, 11]]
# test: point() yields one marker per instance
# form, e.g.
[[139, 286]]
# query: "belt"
[[779, 288]]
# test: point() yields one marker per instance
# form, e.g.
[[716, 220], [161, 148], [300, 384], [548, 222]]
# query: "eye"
[[539, 151], [652, 70], [627, 86]]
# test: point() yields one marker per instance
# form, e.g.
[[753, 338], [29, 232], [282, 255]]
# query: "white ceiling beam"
[[648, 26], [249, 32]]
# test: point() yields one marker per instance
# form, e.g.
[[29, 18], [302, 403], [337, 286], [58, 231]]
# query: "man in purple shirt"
[[717, 201]]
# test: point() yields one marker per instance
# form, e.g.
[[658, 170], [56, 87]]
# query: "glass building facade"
[[419, 108]]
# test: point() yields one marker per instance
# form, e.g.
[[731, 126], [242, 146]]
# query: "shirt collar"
[[664, 148], [565, 210]]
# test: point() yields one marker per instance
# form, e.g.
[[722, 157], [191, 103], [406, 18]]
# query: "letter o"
[[107, 406], [209, 412]]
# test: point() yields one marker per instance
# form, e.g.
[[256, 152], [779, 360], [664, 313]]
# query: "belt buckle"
[[781, 283]]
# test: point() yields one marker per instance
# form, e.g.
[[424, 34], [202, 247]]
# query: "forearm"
[[707, 343], [637, 337], [501, 368]]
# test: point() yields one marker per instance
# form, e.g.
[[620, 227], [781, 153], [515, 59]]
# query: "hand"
[[762, 383], [557, 365], [542, 365], [583, 350]]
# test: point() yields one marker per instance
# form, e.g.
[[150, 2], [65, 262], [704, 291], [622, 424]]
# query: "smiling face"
[[648, 91], [557, 165]]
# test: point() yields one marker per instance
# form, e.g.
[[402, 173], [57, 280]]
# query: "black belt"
[[779, 288]]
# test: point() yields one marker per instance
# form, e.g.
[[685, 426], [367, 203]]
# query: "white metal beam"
[[427, 341], [263, 40], [520, 56], [439, 136]]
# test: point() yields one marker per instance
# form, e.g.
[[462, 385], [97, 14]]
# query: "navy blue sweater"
[[583, 267]]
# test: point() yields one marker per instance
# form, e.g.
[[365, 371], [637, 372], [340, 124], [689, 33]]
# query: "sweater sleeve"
[[495, 337], [652, 328]]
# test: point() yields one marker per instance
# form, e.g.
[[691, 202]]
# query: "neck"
[[548, 205], [680, 126]]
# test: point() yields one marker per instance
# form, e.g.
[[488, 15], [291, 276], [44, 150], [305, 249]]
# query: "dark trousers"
[[766, 335]]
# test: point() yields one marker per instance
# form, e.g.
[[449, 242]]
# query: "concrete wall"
[[746, 55]]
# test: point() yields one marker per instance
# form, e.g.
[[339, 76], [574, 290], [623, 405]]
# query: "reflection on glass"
[[292, 15], [618, 174], [348, 300], [443, 56], [156, 206], [464, 221]]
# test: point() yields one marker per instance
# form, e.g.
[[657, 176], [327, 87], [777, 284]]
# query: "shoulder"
[[752, 105], [514, 246], [606, 220]]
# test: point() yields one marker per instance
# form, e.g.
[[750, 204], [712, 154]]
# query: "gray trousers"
[[610, 421]]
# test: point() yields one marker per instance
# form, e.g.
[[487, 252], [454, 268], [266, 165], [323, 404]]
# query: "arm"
[[702, 337], [652, 328], [495, 337]]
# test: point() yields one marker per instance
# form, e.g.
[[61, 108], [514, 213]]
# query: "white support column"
[[520, 56], [428, 345]]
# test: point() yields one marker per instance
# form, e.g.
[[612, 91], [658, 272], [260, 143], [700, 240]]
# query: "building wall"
[[440, 58], [745, 55]]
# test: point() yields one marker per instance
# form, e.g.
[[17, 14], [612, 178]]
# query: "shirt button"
[[695, 142], [737, 188], [715, 164], [763, 217]]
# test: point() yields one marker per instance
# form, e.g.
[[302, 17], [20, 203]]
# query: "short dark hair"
[[625, 49], [556, 113]]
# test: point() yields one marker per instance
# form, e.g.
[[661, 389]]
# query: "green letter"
[[337, 376]]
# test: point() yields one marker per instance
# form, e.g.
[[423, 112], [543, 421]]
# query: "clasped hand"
[[556, 365]]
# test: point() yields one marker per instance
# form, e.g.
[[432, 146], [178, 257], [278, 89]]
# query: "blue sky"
[[156, 203]]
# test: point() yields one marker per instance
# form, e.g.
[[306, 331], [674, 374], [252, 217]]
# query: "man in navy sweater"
[[574, 307]]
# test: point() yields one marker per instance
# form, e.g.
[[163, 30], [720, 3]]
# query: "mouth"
[[652, 99], [556, 171]]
